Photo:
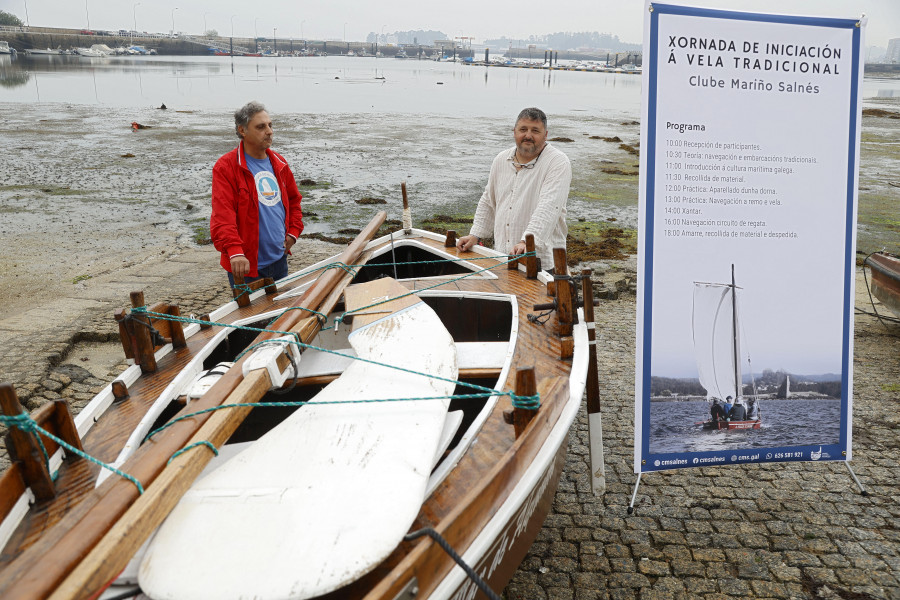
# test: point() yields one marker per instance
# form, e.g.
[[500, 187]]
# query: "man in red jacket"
[[256, 214]]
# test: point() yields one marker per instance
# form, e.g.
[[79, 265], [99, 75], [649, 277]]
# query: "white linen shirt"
[[515, 203]]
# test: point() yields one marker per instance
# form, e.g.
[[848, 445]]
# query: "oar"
[[39, 570]]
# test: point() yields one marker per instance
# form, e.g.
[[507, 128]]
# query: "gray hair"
[[532, 114], [243, 115]]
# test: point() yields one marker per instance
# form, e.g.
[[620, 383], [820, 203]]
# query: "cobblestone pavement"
[[789, 530], [796, 530]]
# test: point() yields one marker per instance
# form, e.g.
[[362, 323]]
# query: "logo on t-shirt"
[[267, 188]]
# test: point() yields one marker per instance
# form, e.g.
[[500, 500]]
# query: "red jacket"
[[234, 224]]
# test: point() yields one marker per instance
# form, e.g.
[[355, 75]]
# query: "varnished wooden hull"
[[489, 505]]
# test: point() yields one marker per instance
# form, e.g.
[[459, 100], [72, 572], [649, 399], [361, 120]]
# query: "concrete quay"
[[795, 530]]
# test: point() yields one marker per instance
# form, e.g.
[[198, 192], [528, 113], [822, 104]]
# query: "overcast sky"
[[335, 19]]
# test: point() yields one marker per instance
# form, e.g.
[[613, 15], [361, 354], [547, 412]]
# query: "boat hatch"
[[487, 319], [410, 259]]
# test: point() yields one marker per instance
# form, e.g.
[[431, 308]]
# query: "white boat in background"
[[4, 47], [89, 53], [103, 49], [42, 51]]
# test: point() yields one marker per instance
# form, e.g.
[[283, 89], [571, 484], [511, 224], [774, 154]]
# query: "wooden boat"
[[885, 285], [491, 470]]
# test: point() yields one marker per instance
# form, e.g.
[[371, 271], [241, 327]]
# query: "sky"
[[353, 20]]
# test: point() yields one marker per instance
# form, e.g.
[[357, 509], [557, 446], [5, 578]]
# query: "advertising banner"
[[749, 167]]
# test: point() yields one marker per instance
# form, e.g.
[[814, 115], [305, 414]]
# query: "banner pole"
[[634, 493], [855, 478]]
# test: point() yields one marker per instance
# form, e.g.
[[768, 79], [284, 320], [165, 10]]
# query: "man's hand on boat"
[[240, 266], [467, 242]]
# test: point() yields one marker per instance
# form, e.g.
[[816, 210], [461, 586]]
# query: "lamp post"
[[231, 39], [301, 29], [274, 42], [345, 32], [26, 13], [383, 41], [173, 21], [134, 14], [255, 36], [204, 23], [87, 15]]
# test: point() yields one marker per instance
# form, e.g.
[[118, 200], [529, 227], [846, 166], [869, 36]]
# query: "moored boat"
[[885, 270], [487, 500], [89, 53]]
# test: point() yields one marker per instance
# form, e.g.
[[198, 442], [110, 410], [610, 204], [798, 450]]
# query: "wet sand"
[[82, 195]]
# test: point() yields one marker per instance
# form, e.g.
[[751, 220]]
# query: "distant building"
[[893, 51]]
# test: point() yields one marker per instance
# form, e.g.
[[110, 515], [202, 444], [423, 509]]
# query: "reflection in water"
[[11, 77], [405, 87]]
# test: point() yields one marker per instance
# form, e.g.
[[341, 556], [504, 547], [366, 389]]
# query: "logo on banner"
[[818, 454], [267, 188]]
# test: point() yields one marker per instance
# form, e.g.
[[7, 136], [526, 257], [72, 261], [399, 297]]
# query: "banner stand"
[[750, 124], [637, 483]]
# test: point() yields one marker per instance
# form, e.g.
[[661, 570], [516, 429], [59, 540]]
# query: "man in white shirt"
[[526, 193]]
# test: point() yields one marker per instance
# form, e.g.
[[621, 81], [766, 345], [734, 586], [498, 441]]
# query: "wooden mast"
[[34, 575]]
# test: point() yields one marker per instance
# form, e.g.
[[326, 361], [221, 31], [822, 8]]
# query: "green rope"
[[527, 402], [245, 289], [322, 318], [25, 423], [531, 402], [181, 319], [206, 443]]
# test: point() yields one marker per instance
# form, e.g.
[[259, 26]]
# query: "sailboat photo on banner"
[[718, 346]]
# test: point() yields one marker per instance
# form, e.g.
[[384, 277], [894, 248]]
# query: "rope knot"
[[527, 402]]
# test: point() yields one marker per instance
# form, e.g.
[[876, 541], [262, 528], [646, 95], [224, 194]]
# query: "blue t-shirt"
[[271, 212]]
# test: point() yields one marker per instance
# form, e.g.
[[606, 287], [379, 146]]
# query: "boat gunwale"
[[539, 465]]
